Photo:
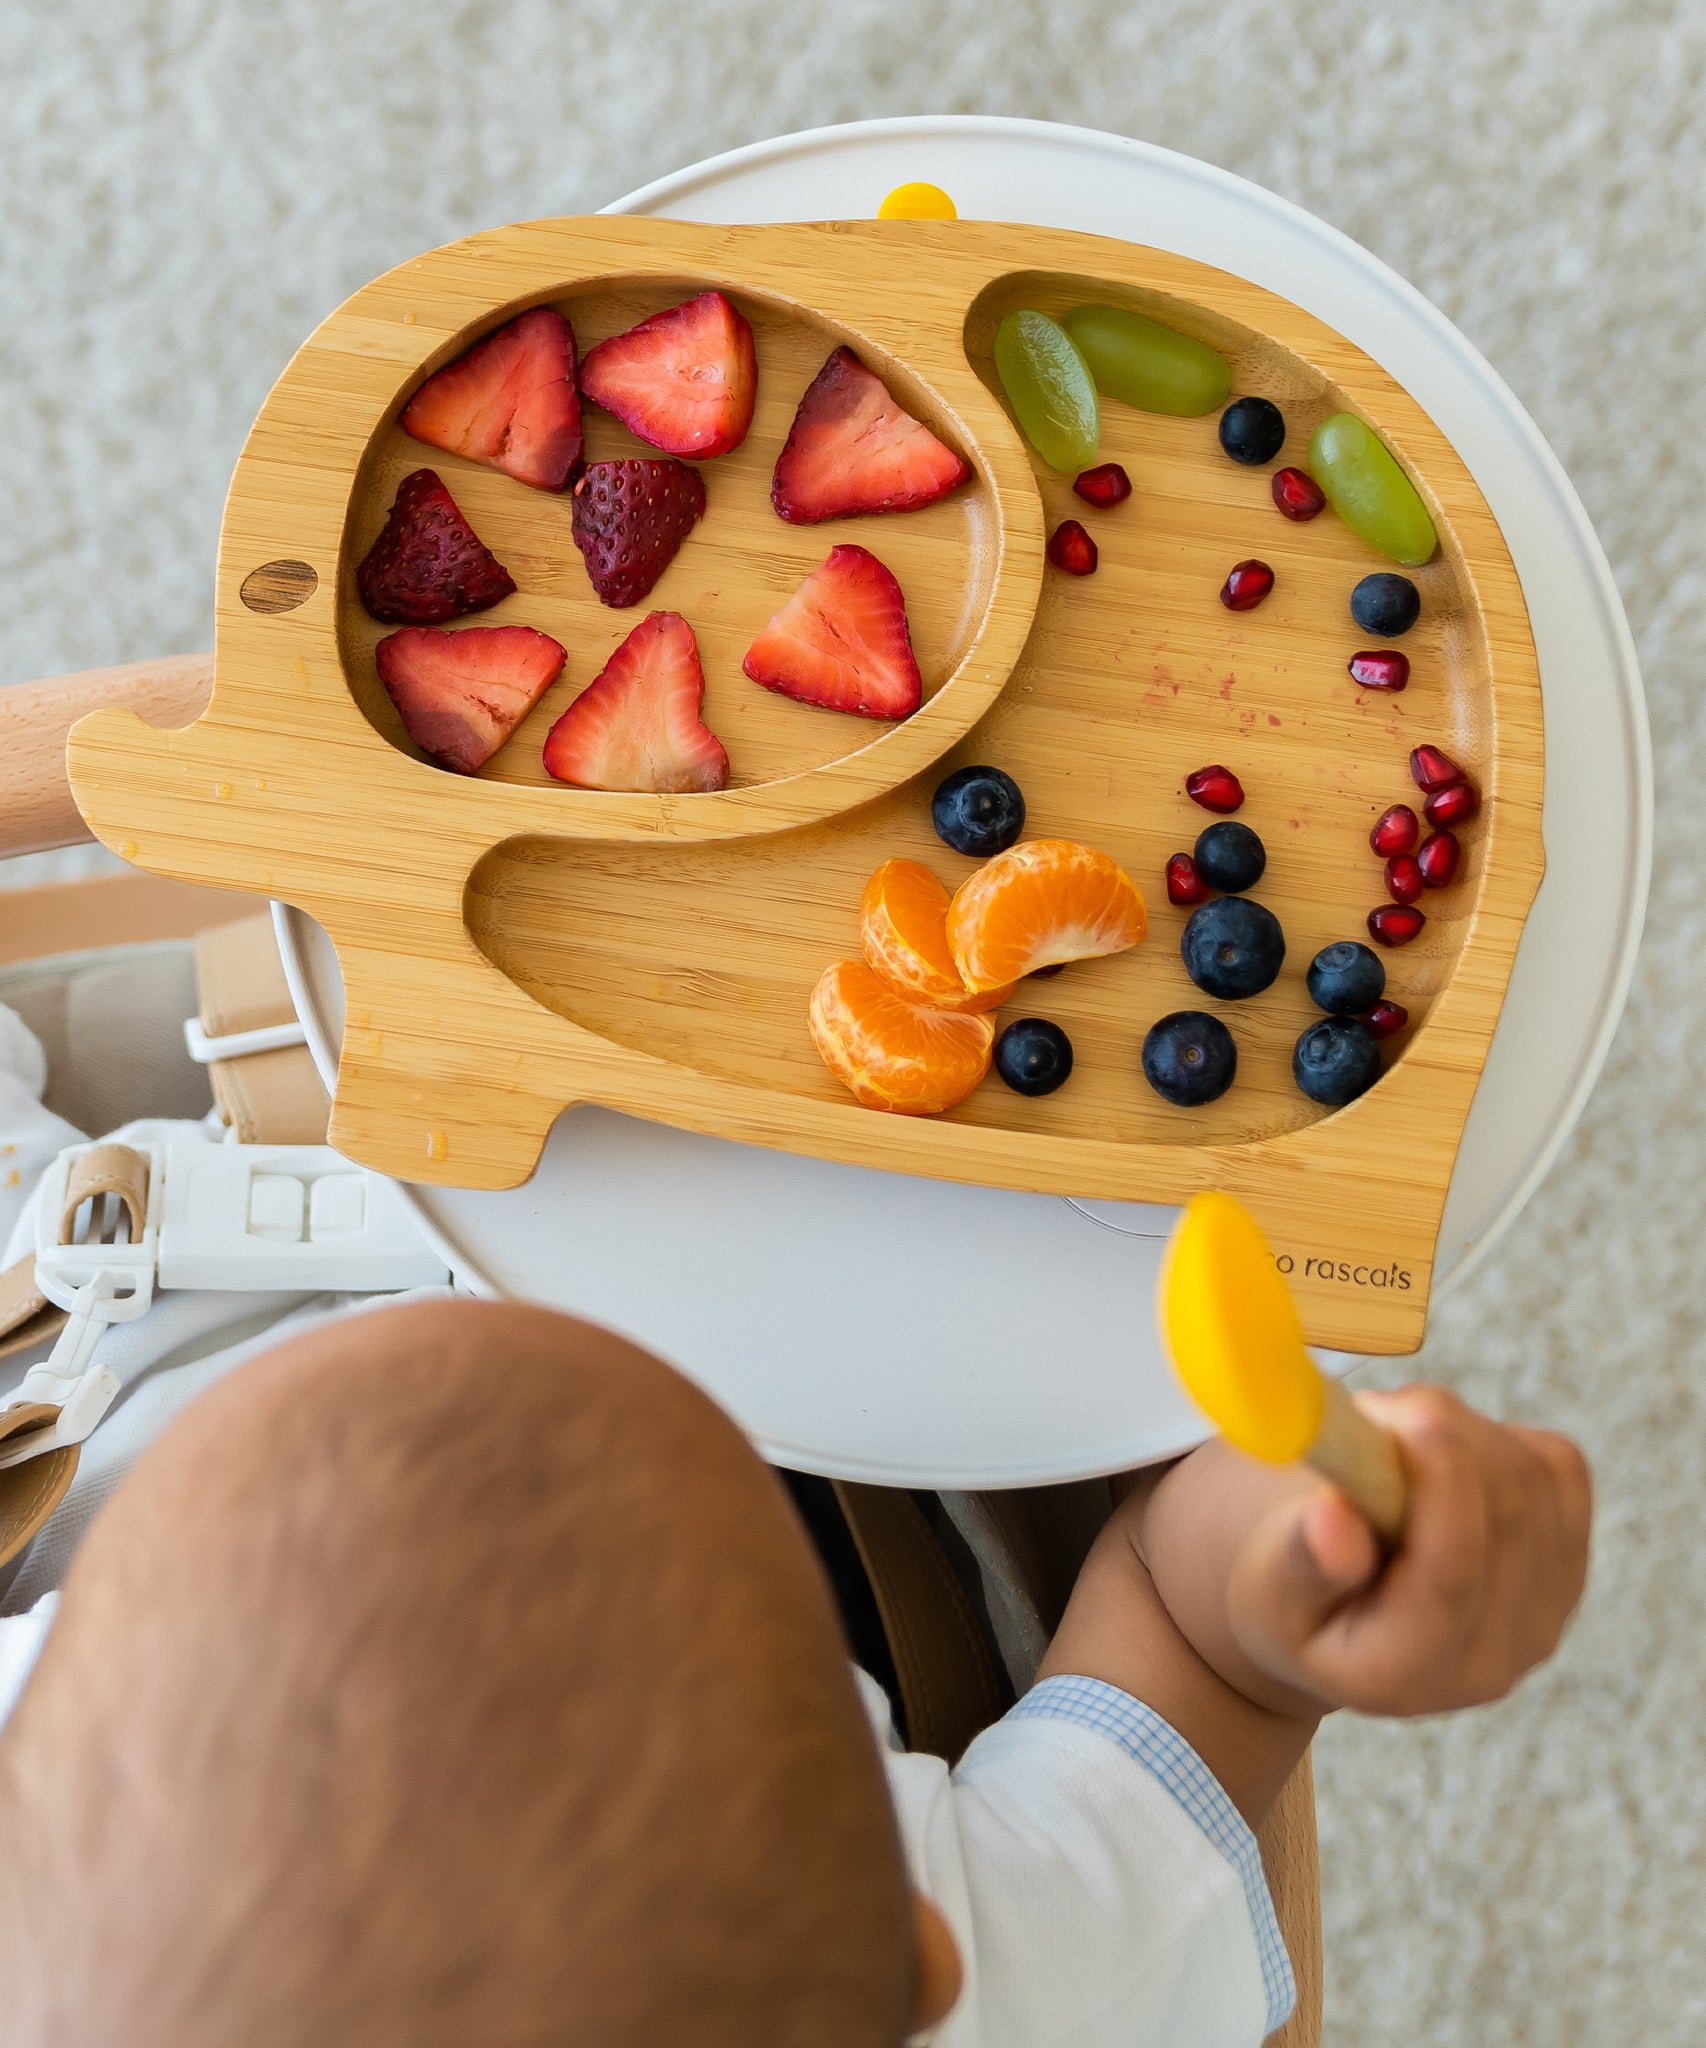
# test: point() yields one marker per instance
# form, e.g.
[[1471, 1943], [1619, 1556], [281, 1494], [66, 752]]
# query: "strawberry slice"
[[429, 563], [510, 402], [684, 380], [841, 641], [853, 449], [462, 694], [630, 519], [637, 724]]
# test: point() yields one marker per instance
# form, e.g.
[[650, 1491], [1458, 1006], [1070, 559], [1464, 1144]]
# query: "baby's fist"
[[1493, 1560]]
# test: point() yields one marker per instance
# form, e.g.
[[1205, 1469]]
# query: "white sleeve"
[[21, 1638], [1102, 1887]]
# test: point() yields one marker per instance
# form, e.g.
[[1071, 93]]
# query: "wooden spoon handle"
[[36, 807], [1363, 1461]]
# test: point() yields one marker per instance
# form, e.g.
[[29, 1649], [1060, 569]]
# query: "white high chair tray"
[[922, 1333]]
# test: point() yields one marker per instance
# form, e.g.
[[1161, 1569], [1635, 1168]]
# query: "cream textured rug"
[[188, 186]]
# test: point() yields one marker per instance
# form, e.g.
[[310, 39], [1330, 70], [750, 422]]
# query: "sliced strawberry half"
[[461, 695], [684, 380], [637, 724], [429, 564], [853, 449], [842, 641], [510, 402], [630, 519]]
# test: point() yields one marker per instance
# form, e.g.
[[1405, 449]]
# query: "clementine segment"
[[1040, 904], [891, 1051], [903, 933]]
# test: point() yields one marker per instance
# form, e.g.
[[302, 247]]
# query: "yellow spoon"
[[917, 202], [1230, 1325]]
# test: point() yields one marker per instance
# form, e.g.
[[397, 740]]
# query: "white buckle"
[[295, 1219], [236, 1044], [63, 1270], [67, 1380]]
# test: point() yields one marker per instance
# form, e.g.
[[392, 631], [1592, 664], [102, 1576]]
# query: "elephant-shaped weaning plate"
[[511, 946]]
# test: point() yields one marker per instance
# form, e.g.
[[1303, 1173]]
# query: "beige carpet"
[[188, 186]]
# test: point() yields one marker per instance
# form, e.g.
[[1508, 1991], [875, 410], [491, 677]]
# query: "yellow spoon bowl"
[[1229, 1323], [1228, 1319], [917, 202]]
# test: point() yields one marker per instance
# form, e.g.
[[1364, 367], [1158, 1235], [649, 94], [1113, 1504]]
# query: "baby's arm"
[[1242, 1601]]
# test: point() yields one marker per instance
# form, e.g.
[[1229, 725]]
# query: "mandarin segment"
[[903, 933], [1041, 904], [891, 1052]]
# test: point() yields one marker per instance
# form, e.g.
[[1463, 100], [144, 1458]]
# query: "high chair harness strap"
[[27, 1317], [30, 1492], [246, 1033]]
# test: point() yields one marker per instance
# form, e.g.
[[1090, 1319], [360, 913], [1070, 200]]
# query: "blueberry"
[[1386, 604], [979, 811], [1252, 430], [1336, 1061], [1346, 979], [1232, 948], [1229, 856], [1189, 1058], [1033, 1056]]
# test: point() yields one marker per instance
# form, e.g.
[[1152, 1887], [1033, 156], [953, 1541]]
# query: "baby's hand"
[[1493, 1560], [1242, 1601]]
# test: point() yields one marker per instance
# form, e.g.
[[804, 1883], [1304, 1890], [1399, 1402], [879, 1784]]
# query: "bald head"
[[453, 1674]]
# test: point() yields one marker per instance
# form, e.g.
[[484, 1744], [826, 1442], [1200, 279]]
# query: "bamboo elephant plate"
[[511, 946]]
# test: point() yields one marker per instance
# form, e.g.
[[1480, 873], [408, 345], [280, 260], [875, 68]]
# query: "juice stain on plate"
[[918, 202], [437, 1145]]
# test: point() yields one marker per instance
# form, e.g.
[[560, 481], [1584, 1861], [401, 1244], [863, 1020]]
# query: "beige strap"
[[1291, 1858], [30, 1492], [106, 1170], [272, 1098], [26, 1316], [239, 978], [268, 1098], [948, 1683]]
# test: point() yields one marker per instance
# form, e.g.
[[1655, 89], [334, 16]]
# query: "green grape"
[[1050, 389], [1149, 366], [1368, 490]]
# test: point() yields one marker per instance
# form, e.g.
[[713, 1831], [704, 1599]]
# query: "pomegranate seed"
[[1432, 769], [1107, 484], [1395, 831], [1404, 878], [1216, 788], [1438, 858], [1184, 884], [1456, 804], [1382, 668], [1246, 586], [1297, 494], [1071, 548], [1395, 924], [1385, 1018]]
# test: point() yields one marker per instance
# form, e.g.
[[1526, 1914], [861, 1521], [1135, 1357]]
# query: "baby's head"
[[454, 1673]]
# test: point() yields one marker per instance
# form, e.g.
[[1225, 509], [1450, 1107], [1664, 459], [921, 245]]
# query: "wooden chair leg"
[[1291, 1859]]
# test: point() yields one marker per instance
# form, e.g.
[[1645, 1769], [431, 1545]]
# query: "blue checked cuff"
[[1171, 1761]]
